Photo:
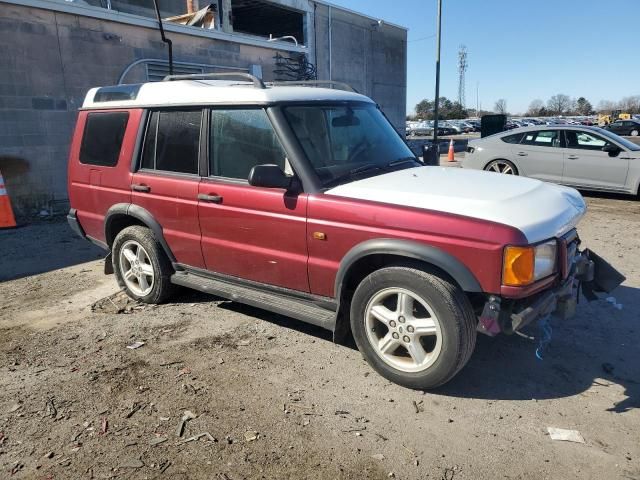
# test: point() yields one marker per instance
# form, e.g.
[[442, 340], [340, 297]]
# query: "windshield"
[[622, 141], [348, 142]]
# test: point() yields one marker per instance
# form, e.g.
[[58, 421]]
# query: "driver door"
[[251, 233], [586, 165]]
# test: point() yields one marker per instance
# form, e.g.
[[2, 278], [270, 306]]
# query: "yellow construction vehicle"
[[604, 119]]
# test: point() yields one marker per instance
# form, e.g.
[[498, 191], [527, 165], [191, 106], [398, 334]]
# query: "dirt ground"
[[276, 399]]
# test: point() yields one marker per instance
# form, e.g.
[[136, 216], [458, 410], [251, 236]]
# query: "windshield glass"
[[348, 142], [622, 141]]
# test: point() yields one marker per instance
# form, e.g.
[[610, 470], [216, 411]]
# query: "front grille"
[[569, 250]]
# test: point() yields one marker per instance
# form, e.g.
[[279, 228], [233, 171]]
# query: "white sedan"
[[588, 158]]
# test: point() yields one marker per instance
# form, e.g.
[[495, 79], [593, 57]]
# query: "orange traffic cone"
[[450, 156], [7, 220]]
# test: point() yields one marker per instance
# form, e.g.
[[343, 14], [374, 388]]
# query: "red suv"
[[306, 202]]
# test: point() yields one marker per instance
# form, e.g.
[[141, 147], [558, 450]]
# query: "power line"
[[421, 38]]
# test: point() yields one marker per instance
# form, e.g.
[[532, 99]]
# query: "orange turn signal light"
[[518, 266]]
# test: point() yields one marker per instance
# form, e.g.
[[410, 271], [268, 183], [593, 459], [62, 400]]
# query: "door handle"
[[572, 157], [210, 198], [522, 154], [140, 188]]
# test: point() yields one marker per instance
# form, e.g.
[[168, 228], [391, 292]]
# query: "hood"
[[539, 210]]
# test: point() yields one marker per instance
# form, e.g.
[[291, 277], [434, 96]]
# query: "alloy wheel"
[[500, 166], [403, 330], [136, 268]]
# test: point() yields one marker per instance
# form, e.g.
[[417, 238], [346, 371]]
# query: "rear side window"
[[172, 141], [102, 138], [543, 138], [515, 138]]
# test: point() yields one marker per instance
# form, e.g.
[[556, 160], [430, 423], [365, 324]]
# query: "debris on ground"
[[378, 456], [188, 415], [195, 438], [135, 345], [564, 435], [614, 302], [104, 426], [250, 436], [132, 463], [14, 408], [52, 411], [157, 441], [117, 303]]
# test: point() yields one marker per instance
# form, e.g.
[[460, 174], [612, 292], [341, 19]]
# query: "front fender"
[[413, 250]]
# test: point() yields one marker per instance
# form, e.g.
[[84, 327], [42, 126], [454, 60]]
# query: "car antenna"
[[164, 39]]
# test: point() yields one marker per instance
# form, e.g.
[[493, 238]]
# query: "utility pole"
[[478, 99], [436, 142]]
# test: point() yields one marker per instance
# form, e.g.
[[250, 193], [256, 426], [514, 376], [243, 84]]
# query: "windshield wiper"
[[402, 161], [354, 171]]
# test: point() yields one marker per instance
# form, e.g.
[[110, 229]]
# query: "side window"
[[542, 138], [102, 138], [172, 141], [240, 140], [584, 140], [515, 138]]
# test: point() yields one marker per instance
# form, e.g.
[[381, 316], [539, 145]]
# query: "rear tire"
[[634, 133], [501, 166], [141, 267], [414, 328]]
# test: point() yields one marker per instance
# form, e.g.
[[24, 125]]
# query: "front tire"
[[414, 328], [141, 267]]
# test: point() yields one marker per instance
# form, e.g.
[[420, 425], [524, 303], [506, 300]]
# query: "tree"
[[583, 106], [446, 109], [501, 106], [535, 107], [559, 104], [606, 106], [630, 104]]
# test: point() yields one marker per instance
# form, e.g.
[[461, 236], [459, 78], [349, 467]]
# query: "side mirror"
[[611, 149], [268, 176]]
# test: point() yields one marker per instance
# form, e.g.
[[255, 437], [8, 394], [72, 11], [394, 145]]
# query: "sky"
[[519, 50]]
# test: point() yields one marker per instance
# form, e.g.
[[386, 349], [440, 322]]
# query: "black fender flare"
[[412, 250], [141, 214]]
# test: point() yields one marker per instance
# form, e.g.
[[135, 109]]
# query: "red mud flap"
[[602, 278]]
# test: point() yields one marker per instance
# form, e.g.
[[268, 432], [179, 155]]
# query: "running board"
[[299, 309]]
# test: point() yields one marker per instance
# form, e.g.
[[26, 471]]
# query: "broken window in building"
[[266, 19]]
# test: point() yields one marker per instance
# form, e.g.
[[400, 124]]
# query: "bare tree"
[[606, 106], [501, 106], [630, 104], [535, 107], [559, 104]]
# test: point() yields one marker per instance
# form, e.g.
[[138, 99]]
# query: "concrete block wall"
[[49, 59]]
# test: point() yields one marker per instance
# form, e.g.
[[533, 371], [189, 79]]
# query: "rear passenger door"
[[166, 181], [248, 232], [539, 155]]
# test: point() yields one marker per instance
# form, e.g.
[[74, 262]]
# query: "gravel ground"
[[279, 400]]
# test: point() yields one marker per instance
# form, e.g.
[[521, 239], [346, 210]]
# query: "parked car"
[[583, 157], [625, 127], [306, 202], [420, 129]]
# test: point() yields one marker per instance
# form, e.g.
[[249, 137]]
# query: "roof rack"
[[315, 83], [218, 76]]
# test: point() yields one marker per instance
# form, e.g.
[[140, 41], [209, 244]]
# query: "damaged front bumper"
[[587, 273]]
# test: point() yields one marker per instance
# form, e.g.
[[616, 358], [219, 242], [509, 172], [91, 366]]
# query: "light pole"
[[436, 143]]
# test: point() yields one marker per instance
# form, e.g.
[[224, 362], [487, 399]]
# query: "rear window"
[[102, 138], [515, 138]]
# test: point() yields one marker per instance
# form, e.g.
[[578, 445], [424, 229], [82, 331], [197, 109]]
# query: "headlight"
[[525, 265]]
